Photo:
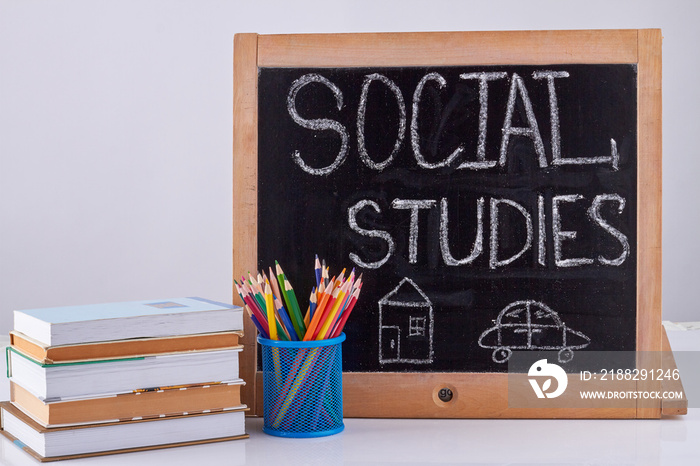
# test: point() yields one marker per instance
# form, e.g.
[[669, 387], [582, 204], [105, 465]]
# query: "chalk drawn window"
[[416, 326]]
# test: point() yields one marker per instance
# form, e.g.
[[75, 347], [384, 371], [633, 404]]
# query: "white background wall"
[[115, 133]]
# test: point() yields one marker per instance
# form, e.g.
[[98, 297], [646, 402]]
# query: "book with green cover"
[[49, 382]]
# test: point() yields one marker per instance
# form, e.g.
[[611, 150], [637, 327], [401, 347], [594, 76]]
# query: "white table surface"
[[669, 441]]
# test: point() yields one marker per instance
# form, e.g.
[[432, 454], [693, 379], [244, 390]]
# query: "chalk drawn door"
[[391, 344]]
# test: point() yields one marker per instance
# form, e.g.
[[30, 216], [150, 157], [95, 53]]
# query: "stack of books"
[[109, 378]]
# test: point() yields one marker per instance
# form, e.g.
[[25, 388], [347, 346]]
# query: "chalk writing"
[[531, 131], [415, 138], [318, 124], [361, 115], [496, 223], [518, 93]]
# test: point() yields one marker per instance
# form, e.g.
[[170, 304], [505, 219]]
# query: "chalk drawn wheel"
[[501, 354], [565, 355]]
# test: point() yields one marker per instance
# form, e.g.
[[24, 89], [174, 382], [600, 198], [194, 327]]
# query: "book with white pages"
[[66, 325], [137, 404], [50, 382], [118, 437]]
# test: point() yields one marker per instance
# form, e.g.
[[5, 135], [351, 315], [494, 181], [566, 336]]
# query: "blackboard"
[[494, 189], [404, 213]]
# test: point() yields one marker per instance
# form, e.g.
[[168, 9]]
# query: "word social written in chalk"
[[517, 91]]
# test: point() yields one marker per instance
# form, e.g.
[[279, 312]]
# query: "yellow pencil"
[[270, 312]]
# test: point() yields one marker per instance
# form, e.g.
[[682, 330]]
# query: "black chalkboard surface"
[[490, 208]]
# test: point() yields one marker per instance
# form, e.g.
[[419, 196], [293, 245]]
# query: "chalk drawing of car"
[[531, 325]]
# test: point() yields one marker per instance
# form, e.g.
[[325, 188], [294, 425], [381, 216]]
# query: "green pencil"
[[291, 301]]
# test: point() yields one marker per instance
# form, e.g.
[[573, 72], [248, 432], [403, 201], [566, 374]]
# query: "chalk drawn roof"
[[407, 294]]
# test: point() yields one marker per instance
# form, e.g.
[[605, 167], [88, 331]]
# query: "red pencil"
[[341, 323], [253, 305]]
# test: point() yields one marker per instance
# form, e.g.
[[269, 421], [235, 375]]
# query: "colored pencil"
[[254, 283], [271, 303], [298, 318], [312, 303], [255, 321], [330, 319], [328, 308], [324, 272], [275, 287], [318, 314], [282, 331], [294, 313], [270, 312], [346, 314], [255, 309], [317, 271], [307, 316], [285, 318]]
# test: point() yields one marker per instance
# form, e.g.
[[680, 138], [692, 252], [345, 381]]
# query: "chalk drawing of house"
[[406, 325]]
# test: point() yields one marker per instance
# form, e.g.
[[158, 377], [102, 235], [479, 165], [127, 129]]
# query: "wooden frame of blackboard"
[[477, 395]]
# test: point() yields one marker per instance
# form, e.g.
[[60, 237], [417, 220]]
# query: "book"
[[167, 401], [51, 382], [135, 347], [67, 325], [118, 437]]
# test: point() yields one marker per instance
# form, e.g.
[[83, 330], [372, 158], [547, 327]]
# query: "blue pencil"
[[317, 270], [312, 304], [258, 326], [285, 319]]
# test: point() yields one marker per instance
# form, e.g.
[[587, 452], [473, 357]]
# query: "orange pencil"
[[319, 293], [326, 310], [330, 319], [323, 301], [341, 277]]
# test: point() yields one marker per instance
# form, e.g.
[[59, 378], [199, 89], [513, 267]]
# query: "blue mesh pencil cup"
[[302, 387]]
